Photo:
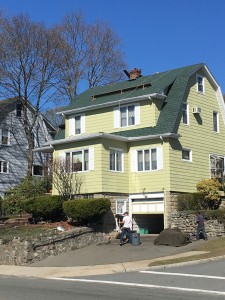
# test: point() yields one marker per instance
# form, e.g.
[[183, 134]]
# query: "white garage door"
[[148, 206]]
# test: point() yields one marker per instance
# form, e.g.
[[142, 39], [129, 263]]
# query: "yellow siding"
[[149, 181], [199, 137], [102, 120]]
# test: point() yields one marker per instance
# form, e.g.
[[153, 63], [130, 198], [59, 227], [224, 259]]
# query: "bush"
[[210, 189], [191, 201], [29, 188], [46, 208], [86, 210]]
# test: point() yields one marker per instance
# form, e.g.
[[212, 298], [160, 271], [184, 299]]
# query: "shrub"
[[45, 208], [191, 201], [86, 210], [210, 189]]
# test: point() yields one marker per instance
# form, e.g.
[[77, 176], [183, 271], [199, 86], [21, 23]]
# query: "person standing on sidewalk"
[[200, 226], [126, 229]]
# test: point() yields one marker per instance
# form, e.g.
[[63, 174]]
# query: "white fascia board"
[[112, 137], [113, 103]]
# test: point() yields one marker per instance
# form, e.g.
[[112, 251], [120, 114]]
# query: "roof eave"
[[112, 103], [109, 136]]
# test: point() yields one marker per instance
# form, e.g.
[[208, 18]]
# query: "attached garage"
[[147, 213]]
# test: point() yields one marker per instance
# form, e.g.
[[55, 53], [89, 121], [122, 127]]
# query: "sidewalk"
[[103, 258]]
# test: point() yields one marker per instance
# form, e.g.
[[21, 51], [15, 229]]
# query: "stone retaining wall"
[[187, 223], [24, 252]]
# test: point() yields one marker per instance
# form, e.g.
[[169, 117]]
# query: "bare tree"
[[104, 61], [27, 70], [64, 177], [90, 53]]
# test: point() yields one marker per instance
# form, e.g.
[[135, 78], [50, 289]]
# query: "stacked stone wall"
[[187, 223], [26, 251]]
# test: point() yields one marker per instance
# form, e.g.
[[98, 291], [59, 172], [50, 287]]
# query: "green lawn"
[[215, 247]]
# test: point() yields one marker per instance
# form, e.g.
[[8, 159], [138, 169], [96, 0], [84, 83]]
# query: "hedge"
[[86, 210], [46, 208]]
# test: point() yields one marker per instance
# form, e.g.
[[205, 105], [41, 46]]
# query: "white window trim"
[[117, 115], [217, 120], [216, 156], [186, 124], [134, 160], [124, 206], [62, 155], [71, 122], [122, 159], [203, 84], [8, 138], [190, 155], [7, 172]]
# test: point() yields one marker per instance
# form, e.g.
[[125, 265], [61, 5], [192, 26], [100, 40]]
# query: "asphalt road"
[[199, 281]]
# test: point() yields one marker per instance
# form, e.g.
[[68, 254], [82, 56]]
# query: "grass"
[[22, 232], [215, 247]]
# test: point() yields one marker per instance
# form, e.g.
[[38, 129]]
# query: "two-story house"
[[14, 145], [143, 140]]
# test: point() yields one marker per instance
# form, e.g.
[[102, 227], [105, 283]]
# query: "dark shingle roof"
[[168, 119]]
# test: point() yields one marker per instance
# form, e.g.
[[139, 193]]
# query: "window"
[[120, 206], [147, 160], [37, 170], [76, 125], [215, 122], [187, 155], [116, 160], [127, 115], [5, 134], [185, 113], [200, 84], [4, 167], [217, 167], [77, 161], [18, 110]]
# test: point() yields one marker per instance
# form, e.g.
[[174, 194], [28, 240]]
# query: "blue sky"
[[157, 35]]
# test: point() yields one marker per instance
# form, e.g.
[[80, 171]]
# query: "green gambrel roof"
[[168, 120]]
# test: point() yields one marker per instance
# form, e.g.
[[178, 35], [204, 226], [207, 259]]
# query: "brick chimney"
[[135, 73]]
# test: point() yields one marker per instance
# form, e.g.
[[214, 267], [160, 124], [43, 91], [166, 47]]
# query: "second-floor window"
[[200, 84], [146, 159], [4, 167], [116, 160], [128, 115], [185, 113], [215, 121], [76, 125], [5, 135]]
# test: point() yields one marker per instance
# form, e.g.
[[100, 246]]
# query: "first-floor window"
[[116, 160], [37, 170], [4, 167], [77, 161], [186, 154], [120, 206], [217, 167], [147, 159]]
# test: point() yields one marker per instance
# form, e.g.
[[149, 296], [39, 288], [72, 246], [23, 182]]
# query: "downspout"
[[164, 188]]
